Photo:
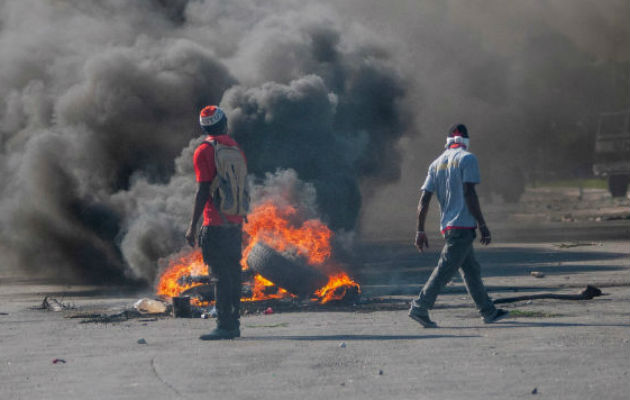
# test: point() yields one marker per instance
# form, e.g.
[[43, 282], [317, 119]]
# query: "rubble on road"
[[150, 306], [53, 305]]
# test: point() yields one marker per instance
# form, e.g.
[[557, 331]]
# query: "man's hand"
[[190, 236], [421, 241], [485, 235]]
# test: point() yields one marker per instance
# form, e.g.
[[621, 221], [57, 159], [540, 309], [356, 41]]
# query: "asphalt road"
[[550, 349]]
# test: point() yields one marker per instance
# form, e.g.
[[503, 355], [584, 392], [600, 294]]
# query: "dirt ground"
[[551, 349]]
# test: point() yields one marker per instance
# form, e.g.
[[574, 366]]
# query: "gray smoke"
[[528, 79], [98, 98]]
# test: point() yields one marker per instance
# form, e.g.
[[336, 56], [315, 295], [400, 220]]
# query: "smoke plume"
[[98, 98]]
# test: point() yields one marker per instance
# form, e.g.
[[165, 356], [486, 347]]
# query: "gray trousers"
[[457, 254]]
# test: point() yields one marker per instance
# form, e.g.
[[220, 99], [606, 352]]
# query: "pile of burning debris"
[[287, 265], [282, 260]]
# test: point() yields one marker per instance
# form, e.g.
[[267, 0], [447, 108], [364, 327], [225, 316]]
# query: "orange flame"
[[266, 290], [279, 228], [336, 288], [189, 264], [273, 226]]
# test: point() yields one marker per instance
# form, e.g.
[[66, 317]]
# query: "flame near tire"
[[282, 230]]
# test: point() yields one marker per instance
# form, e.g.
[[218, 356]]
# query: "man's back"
[[205, 171], [446, 178], [452, 177]]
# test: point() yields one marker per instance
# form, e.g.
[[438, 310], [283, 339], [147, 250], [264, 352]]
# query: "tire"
[[294, 277], [618, 185]]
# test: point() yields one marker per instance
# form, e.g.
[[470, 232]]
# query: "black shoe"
[[499, 315], [221, 334], [421, 317]]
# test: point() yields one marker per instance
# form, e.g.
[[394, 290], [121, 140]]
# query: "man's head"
[[213, 121], [458, 137], [458, 130]]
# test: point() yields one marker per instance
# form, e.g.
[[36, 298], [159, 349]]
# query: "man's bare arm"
[[201, 197], [423, 209], [472, 201]]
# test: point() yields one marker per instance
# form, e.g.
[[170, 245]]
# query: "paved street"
[[557, 349]]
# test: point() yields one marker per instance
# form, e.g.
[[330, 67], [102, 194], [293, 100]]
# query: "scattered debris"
[[4, 313], [268, 311], [586, 294], [53, 305], [141, 341], [204, 293], [342, 345], [108, 318], [58, 361], [535, 391], [537, 274], [150, 306], [617, 217], [380, 372], [181, 307], [575, 244], [116, 314]]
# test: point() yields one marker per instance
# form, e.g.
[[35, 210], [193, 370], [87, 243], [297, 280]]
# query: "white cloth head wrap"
[[458, 140]]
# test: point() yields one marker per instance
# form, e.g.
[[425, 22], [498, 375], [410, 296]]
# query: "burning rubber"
[[293, 276]]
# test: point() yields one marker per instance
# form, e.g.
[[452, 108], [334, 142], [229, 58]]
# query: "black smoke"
[[98, 98]]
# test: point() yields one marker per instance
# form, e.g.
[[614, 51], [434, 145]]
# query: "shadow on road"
[[356, 337], [526, 324], [406, 270]]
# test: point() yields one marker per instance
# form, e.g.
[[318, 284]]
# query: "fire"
[[266, 290], [336, 288], [281, 229], [272, 225], [189, 264]]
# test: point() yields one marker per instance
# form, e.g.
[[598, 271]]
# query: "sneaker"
[[421, 317], [221, 334], [499, 315]]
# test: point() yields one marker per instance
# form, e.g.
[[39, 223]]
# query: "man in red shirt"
[[221, 234]]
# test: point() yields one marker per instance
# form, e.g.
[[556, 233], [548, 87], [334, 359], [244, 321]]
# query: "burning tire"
[[290, 275]]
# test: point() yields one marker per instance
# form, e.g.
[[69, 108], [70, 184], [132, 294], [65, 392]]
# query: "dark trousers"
[[221, 249], [457, 254]]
